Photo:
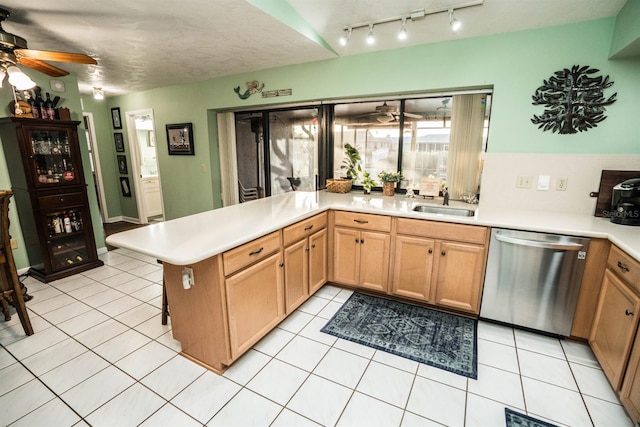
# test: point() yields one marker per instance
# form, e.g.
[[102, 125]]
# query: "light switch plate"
[[543, 182], [523, 182]]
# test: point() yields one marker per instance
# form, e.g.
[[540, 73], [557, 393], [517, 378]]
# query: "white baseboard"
[[122, 218]]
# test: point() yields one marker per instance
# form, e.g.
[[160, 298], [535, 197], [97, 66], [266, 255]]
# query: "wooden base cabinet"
[[254, 288], [305, 259], [361, 258], [630, 394], [442, 272], [254, 303]]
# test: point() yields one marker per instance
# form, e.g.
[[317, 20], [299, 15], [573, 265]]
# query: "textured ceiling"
[[145, 44]]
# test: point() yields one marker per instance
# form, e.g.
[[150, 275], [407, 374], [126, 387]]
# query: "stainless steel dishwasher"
[[533, 279]]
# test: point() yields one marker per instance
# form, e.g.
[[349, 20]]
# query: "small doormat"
[[432, 337], [515, 419]]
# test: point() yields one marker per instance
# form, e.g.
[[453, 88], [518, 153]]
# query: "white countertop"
[[193, 238]]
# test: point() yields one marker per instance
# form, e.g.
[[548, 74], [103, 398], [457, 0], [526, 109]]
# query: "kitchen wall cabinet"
[[305, 259], [616, 319], [440, 263], [361, 250], [254, 291], [45, 166]]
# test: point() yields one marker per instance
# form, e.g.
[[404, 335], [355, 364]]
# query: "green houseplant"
[[389, 180], [368, 183], [351, 164]]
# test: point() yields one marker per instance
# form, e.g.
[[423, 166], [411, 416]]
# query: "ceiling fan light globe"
[[455, 24], [402, 35], [19, 79]]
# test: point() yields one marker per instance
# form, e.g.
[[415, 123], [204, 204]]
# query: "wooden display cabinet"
[[45, 167]]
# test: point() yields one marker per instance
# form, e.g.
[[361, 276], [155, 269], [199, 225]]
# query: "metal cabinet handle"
[[361, 240], [361, 221], [62, 199], [430, 251], [628, 313], [308, 227], [443, 253], [622, 267], [281, 264], [357, 240], [306, 249], [313, 246], [256, 252]]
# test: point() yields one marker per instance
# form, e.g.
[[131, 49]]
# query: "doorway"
[[144, 165]]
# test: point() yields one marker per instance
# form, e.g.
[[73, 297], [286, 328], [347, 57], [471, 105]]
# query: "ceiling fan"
[[389, 113], [13, 51]]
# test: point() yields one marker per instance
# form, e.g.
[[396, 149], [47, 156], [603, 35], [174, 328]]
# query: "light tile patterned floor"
[[101, 357]]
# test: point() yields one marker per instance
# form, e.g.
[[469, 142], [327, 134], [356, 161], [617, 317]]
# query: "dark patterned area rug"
[[432, 337], [515, 419]]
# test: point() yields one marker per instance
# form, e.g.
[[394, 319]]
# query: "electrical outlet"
[[543, 182], [523, 182], [14, 244], [561, 184]]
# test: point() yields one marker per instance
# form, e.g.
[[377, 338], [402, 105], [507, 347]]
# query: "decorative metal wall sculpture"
[[252, 88], [574, 100]]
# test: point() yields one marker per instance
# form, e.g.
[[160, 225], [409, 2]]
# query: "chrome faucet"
[[445, 193]]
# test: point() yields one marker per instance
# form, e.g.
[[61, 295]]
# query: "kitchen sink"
[[443, 210]]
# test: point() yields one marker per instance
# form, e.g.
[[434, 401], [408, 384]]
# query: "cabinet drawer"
[[442, 230], [247, 254], [626, 267], [304, 228], [60, 201], [363, 221]]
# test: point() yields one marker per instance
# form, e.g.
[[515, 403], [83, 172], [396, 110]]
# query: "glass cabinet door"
[[67, 241], [52, 158]]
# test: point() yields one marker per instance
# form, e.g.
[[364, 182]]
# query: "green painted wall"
[[71, 100], [626, 35]]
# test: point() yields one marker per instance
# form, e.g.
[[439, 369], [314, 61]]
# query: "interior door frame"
[[134, 150], [96, 165]]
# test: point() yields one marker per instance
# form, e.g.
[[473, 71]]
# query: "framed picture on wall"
[[119, 139], [180, 138], [122, 164], [115, 118], [125, 187]]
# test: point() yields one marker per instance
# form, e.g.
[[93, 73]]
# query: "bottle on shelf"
[[39, 105], [57, 225], [67, 224], [35, 111], [48, 106]]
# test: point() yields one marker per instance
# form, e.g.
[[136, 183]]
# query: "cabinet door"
[[317, 260], [53, 156], [254, 303], [460, 273], [296, 276], [67, 241], [412, 267], [374, 260], [346, 254], [614, 327], [630, 395]]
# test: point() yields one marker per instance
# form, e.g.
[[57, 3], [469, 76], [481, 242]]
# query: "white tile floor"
[[100, 356]]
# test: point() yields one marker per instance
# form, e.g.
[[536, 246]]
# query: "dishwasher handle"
[[538, 244]]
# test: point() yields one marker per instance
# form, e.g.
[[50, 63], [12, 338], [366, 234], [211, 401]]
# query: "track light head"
[[402, 34], [455, 24], [346, 37], [371, 38]]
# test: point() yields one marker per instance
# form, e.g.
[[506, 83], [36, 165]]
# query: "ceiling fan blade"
[[47, 55], [43, 67], [413, 116]]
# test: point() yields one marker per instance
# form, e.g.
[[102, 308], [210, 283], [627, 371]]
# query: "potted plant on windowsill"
[[389, 180], [368, 183], [351, 165]]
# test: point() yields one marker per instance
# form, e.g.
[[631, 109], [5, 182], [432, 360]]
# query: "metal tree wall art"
[[574, 100]]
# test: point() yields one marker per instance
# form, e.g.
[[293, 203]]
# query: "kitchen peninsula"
[[226, 270]]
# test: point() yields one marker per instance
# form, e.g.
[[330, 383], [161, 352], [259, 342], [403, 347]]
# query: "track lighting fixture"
[[98, 93], [402, 34], [371, 38], [346, 37], [455, 24], [413, 16]]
